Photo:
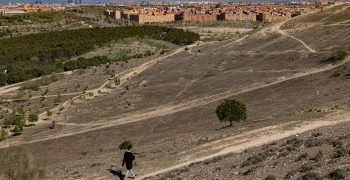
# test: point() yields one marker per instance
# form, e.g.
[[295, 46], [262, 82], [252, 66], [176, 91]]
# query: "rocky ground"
[[318, 154]]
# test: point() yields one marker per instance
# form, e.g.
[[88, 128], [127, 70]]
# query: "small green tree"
[[231, 110], [33, 118], [125, 145]]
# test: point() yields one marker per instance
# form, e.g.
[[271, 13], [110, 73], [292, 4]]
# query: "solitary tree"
[[231, 110]]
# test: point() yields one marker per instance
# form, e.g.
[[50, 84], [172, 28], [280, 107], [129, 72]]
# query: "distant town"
[[164, 12]]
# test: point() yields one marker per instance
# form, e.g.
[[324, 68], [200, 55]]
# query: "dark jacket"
[[128, 159]]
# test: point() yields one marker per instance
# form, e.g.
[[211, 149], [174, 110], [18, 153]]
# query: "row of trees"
[[35, 55], [16, 74]]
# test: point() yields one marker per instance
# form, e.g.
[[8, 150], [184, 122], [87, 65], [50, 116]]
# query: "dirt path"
[[277, 28], [251, 139], [6, 89], [170, 109]]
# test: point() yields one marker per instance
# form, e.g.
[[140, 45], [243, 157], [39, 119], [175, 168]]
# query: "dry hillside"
[[296, 94]]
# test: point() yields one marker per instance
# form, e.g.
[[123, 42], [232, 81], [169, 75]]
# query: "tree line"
[[26, 57]]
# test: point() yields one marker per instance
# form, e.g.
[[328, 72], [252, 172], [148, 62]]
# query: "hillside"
[[290, 77]]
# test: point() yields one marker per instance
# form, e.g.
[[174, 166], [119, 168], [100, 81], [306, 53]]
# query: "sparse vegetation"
[[16, 163], [308, 167], [3, 134], [340, 151]]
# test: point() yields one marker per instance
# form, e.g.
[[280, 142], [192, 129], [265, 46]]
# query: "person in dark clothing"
[[128, 161]]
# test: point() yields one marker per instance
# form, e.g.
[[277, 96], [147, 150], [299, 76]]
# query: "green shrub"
[[33, 118], [15, 120], [3, 134], [125, 144], [339, 54]]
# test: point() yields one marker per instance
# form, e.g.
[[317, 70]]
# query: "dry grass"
[[16, 164]]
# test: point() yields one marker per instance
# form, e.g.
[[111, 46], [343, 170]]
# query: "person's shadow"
[[116, 173]]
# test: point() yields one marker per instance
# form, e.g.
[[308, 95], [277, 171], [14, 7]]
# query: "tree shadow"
[[117, 173], [224, 127]]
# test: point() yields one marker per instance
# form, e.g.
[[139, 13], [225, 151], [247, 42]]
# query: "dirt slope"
[[166, 105]]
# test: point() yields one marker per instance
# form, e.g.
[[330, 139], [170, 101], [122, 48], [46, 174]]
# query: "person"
[[128, 161]]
